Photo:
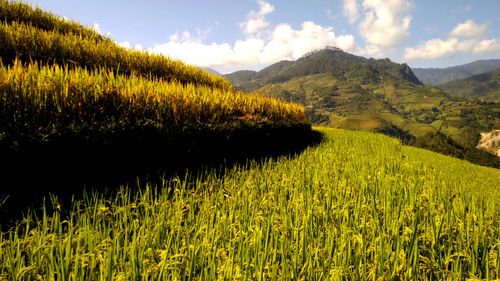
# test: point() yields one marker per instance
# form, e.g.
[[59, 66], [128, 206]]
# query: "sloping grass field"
[[360, 206], [356, 206]]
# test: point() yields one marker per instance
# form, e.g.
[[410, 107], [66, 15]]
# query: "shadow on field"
[[68, 166]]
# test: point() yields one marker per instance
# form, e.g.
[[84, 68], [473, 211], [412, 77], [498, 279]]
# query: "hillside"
[[346, 91], [437, 76], [484, 86], [76, 109], [332, 60], [359, 205], [122, 165], [59, 78]]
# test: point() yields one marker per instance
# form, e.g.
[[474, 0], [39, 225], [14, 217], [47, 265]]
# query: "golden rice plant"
[[29, 43], [40, 101], [18, 12]]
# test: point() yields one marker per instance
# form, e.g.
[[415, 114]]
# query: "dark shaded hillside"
[[436, 76], [69, 166], [438, 142], [484, 86]]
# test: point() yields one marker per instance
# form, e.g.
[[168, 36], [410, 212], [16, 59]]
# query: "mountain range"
[[484, 86], [342, 90], [437, 76]]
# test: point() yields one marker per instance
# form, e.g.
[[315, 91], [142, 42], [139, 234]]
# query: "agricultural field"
[[277, 199], [61, 79], [358, 206], [70, 96]]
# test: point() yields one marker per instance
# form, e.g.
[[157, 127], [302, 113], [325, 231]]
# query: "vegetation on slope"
[[339, 64], [438, 142], [60, 77], [70, 97], [359, 206], [437, 76], [41, 103], [485, 87], [346, 91], [28, 43], [19, 12]]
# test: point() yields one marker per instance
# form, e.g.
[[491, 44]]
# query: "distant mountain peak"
[[327, 48], [331, 60]]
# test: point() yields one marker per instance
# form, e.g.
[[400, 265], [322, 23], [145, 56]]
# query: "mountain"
[[436, 76], [484, 86], [210, 70], [331, 60], [342, 90]]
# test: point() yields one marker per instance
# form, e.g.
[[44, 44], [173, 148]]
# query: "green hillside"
[[346, 91], [358, 206], [330, 60], [437, 76], [484, 86]]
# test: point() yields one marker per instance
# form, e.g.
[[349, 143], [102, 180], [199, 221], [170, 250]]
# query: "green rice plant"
[[28, 43], [360, 206], [41, 103]]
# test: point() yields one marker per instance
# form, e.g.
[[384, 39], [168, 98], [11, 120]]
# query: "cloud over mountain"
[[264, 44]]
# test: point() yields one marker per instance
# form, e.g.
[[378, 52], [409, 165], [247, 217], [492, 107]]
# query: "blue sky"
[[251, 34]]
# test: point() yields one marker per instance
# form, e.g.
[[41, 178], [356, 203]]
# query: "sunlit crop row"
[[40, 101], [17, 11], [29, 43]]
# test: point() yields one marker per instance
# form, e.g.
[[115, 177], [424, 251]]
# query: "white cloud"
[[432, 49], [467, 37], [128, 45], [487, 46], [285, 43], [386, 22], [263, 44], [437, 48], [96, 28], [351, 10], [256, 21], [372, 51], [187, 37], [469, 29]]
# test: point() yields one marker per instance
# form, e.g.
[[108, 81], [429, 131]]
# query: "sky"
[[230, 35]]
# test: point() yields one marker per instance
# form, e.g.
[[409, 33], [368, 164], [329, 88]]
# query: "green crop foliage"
[[360, 206], [41, 102]]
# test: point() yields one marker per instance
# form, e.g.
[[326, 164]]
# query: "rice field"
[[59, 78], [360, 206], [18, 12], [30, 34], [19, 40], [42, 102]]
